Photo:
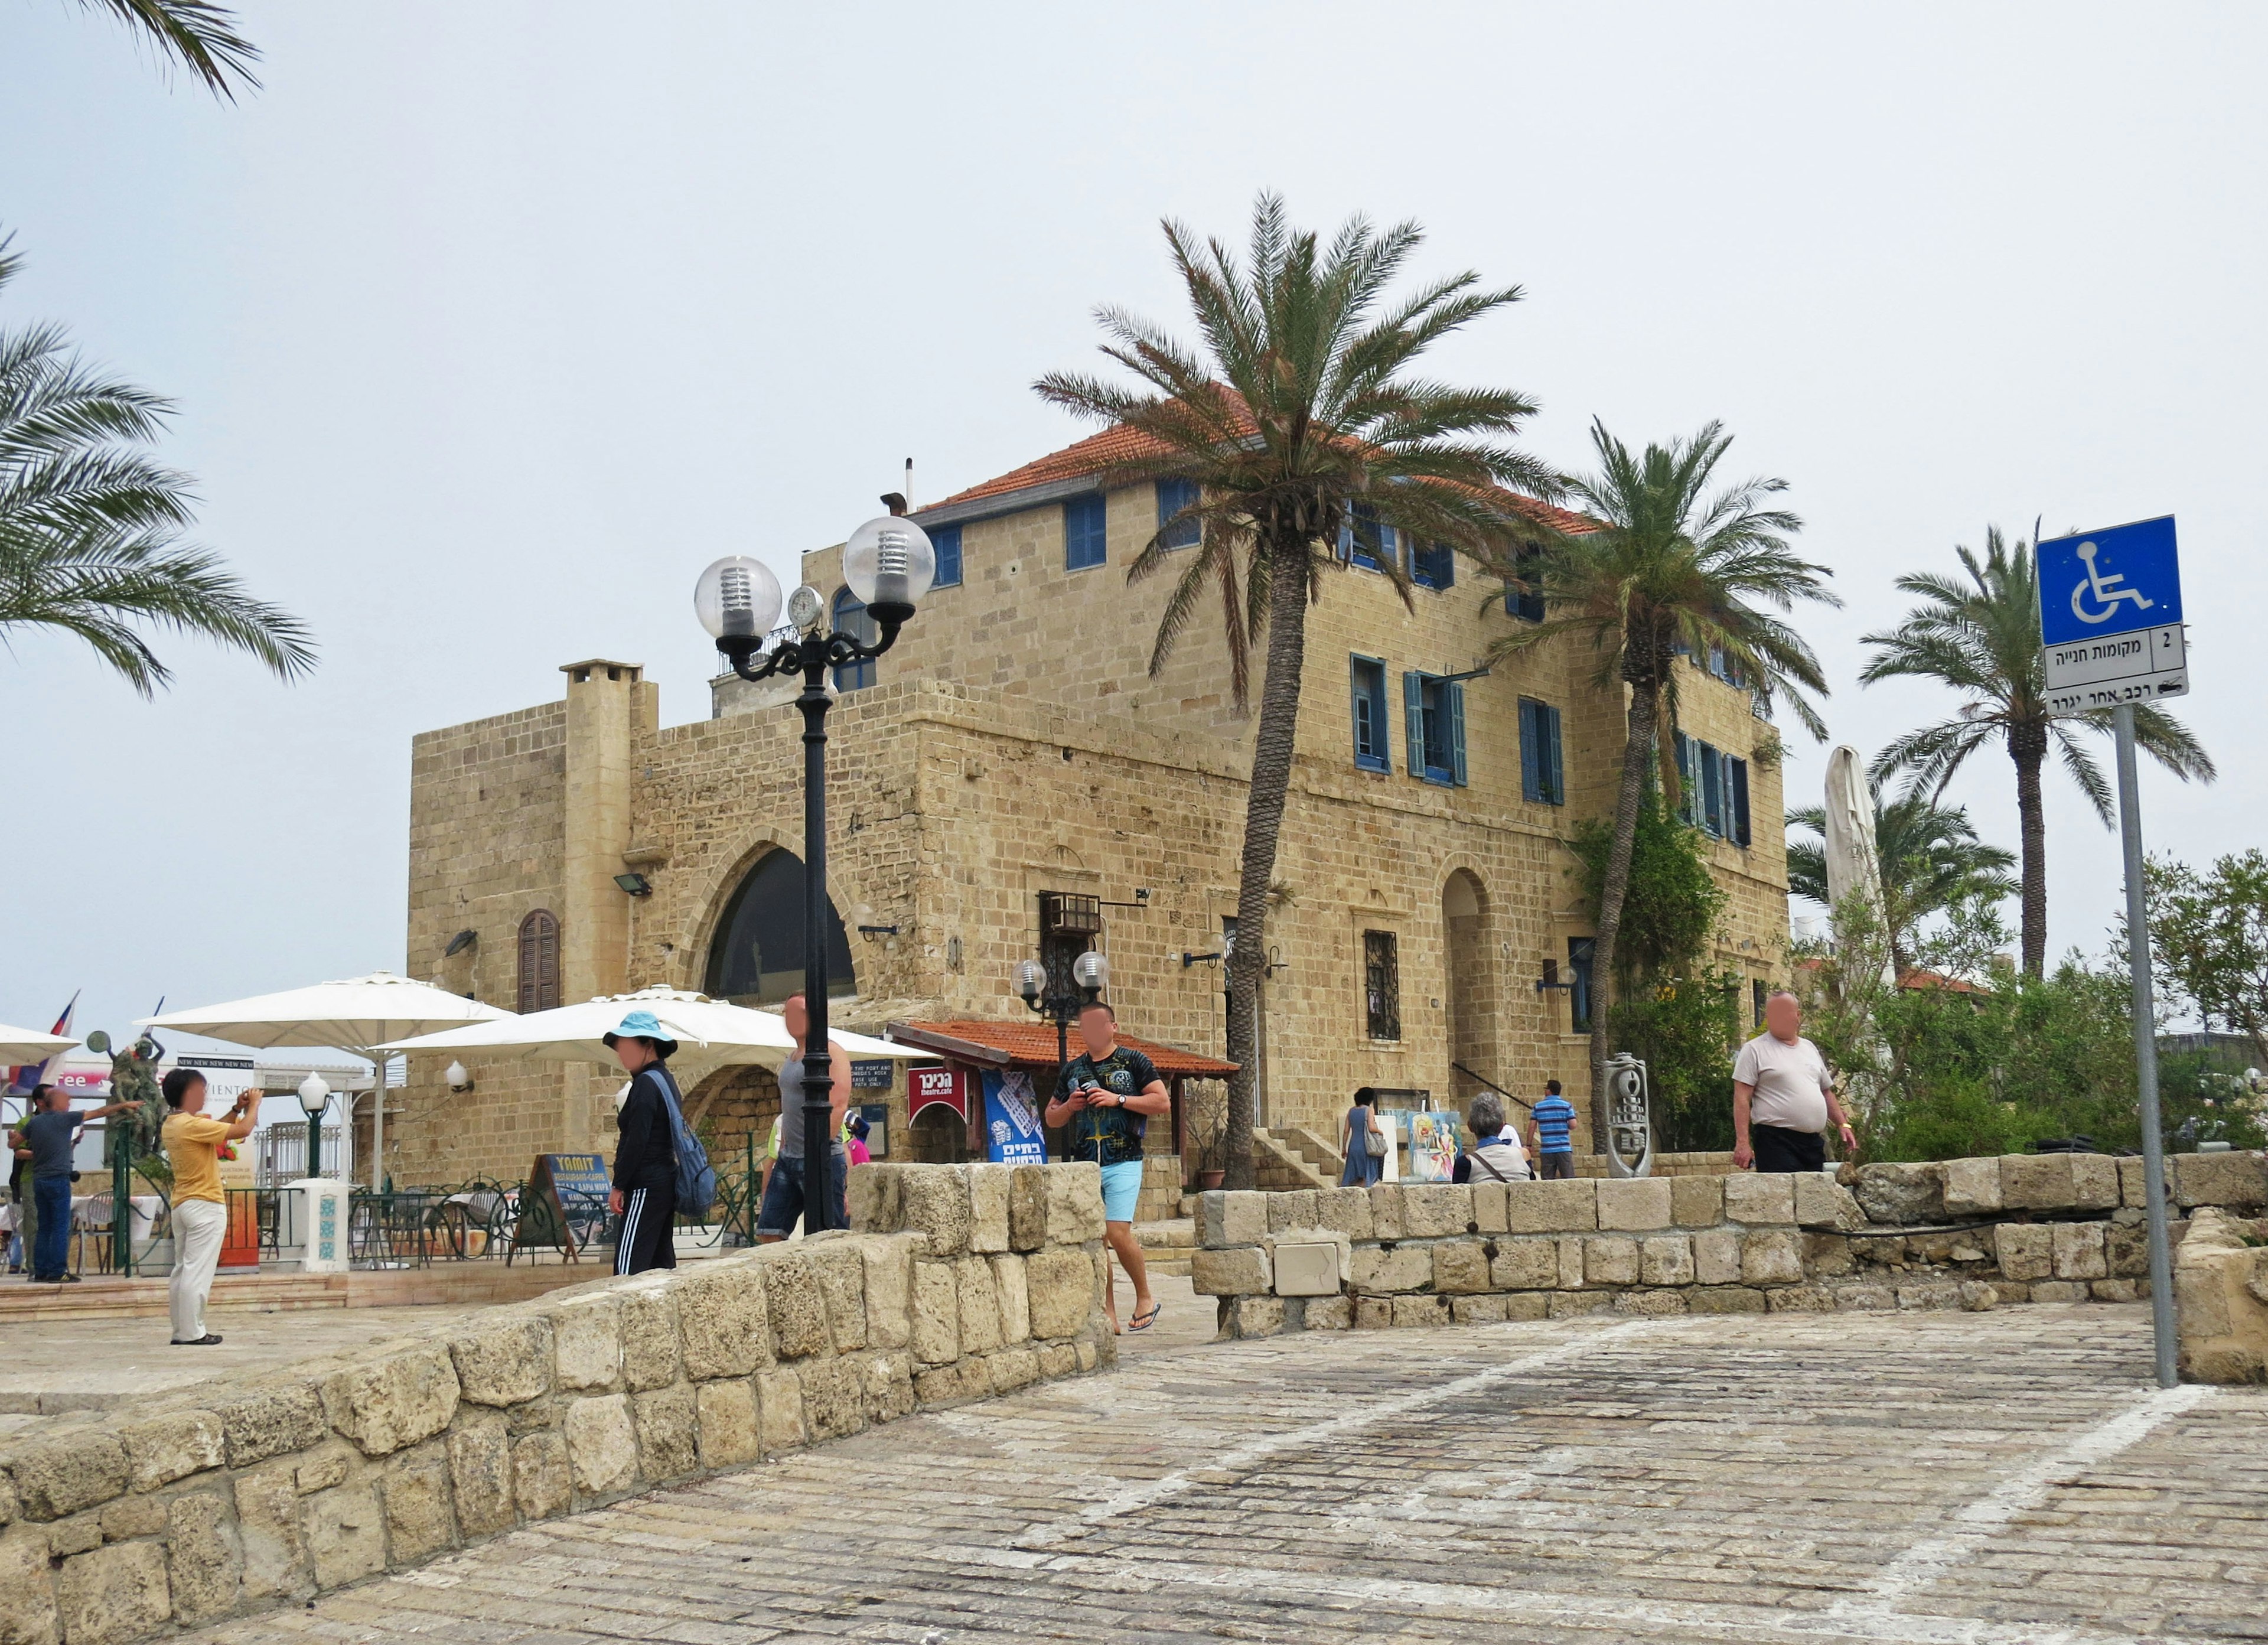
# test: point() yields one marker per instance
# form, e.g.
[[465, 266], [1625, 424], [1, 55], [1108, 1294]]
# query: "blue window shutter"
[[1366, 537], [850, 618], [1085, 522], [1173, 497], [1413, 711], [1455, 693], [1713, 790], [1358, 704], [1687, 809], [947, 540], [1366, 687], [1739, 768], [1554, 783], [1346, 530], [1531, 749]]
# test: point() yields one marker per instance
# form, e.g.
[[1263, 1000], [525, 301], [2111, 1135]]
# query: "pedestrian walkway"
[[1988, 1478]]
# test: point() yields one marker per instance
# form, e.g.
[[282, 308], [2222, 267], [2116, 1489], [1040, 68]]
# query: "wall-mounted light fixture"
[[635, 884], [1551, 979], [459, 943], [878, 931], [458, 1079], [1188, 960]]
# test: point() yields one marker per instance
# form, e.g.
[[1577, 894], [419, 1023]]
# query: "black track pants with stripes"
[[647, 1238]]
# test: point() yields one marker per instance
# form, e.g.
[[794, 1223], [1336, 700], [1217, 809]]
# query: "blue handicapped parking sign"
[[2111, 581]]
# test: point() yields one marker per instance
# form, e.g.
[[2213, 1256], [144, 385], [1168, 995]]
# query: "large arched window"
[[850, 618], [539, 961], [757, 956]]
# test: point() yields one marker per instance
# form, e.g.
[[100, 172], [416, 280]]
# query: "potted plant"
[[1211, 1157]]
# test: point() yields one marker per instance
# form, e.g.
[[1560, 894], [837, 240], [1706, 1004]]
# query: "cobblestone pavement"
[[2006, 1477]]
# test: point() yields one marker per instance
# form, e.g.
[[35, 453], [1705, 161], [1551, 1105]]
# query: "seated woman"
[[1495, 1155]]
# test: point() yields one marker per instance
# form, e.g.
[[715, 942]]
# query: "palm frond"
[[198, 34]]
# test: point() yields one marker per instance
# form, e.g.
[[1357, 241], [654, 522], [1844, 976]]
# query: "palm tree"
[[199, 35], [1930, 858], [1297, 405], [90, 526], [1981, 637], [1667, 568]]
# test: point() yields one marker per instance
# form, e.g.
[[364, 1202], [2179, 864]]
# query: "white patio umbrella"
[[359, 1016], [19, 1045]]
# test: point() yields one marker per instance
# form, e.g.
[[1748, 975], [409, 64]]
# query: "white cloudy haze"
[[491, 325]]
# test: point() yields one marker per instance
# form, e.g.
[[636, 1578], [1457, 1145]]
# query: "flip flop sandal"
[[1146, 1319]]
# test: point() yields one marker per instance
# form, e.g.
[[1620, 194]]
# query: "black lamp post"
[[889, 563], [1090, 973]]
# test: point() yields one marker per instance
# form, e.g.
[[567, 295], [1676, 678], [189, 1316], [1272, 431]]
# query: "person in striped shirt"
[[1550, 1127]]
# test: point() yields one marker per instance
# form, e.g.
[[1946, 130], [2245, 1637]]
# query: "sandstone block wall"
[[237, 1495]]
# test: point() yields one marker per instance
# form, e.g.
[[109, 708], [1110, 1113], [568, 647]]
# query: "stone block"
[[1654, 1304], [834, 1398], [2022, 1250], [1344, 1211], [725, 1423], [1632, 1203], [1226, 1219], [1011, 1368], [270, 1421], [131, 1517], [2036, 1182], [1057, 1359], [935, 1202], [174, 1447], [502, 1362], [1435, 1210], [601, 1443], [2233, 1179], [1014, 1290], [75, 1535], [1385, 1210], [1724, 1299], [1373, 1313], [1235, 1271], [2115, 1290], [1525, 1265], [796, 1309], [1822, 1203], [1525, 1305], [649, 1324], [1256, 1316], [1488, 1207], [988, 1208], [2133, 1184], [1771, 1257], [890, 1280], [62, 1476], [1696, 1202], [666, 1438], [268, 1528], [1929, 1294], [870, 1193], [1075, 1203], [2094, 1182], [2077, 1252], [395, 1402], [978, 1305], [1827, 1256], [952, 1384], [1293, 1210], [114, 1594], [1565, 1206], [324, 1469], [1573, 1305], [1665, 1259], [420, 1518], [1415, 1312], [542, 1477], [587, 1344], [1377, 1271], [1478, 1311], [1028, 1207], [1062, 1287], [1901, 1194], [1800, 1299], [1865, 1299], [1976, 1296], [1756, 1198], [1972, 1187], [480, 1476], [27, 1592], [2055, 1291], [2126, 1249], [1717, 1256], [937, 1313], [1329, 1313], [1308, 1267], [724, 1325], [1459, 1266], [346, 1534], [1571, 1261], [890, 1383], [1610, 1259]]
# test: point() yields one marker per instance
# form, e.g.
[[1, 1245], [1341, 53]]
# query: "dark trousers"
[[648, 1236], [1779, 1149], [784, 1196], [1550, 1167], [51, 1240]]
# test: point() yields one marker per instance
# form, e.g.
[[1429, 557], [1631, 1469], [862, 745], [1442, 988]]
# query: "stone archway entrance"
[[1470, 982]]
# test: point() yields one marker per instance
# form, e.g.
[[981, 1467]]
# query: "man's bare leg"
[[1120, 1236]]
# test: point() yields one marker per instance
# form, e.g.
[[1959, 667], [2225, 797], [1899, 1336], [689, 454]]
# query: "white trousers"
[[198, 1226]]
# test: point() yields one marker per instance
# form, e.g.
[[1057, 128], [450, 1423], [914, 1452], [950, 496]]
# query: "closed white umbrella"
[[359, 1016], [30, 1045]]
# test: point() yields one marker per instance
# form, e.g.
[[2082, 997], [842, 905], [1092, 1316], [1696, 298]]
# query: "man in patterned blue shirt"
[[1550, 1142], [1105, 1100]]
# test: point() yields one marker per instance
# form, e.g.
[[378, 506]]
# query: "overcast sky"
[[491, 325]]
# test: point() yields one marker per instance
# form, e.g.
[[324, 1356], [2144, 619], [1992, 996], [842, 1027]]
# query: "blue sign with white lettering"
[[2111, 581]]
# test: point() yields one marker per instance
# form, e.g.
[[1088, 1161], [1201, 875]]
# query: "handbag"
[[1373, 1142]]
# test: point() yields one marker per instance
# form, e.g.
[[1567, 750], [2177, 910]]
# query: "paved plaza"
[[2010, 1476]]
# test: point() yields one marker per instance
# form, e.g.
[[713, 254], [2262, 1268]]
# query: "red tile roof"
[[1031, 1045]]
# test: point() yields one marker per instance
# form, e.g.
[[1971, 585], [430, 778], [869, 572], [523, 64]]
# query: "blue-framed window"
[[1523, 599], [1579, 950], [1716, 784], [1433, 568], [1173, 497], [1086, 524], [1541, 777], [1368, 541], [1367, 685], [947, 540], [1435, 711], [850, 618]]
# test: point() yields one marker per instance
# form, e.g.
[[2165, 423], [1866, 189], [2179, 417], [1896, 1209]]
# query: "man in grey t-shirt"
[[47, 1133], [1784, 1096]]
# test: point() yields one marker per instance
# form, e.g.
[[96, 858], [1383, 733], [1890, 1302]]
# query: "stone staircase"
[[1286, 1158], [1167, 1243]]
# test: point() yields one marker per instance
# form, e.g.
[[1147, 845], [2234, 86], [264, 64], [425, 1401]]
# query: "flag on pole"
[[25, 1077]]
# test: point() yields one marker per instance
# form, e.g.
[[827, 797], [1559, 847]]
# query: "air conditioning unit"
[[1070, 914]]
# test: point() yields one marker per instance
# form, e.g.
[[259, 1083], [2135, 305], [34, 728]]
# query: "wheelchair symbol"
[[2106, 591]]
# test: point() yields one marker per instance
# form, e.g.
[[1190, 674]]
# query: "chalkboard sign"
[[870, 1076], [565, 1204]]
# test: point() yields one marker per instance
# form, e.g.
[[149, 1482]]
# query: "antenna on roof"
[[910, 486]]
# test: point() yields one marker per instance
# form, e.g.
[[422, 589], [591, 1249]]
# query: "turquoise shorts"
[[1121, 1188]]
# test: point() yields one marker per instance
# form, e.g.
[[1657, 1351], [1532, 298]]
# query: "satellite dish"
[[98, 1043]]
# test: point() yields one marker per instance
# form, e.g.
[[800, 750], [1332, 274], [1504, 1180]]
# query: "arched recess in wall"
[[755, 957], [1470, 980], [539, 961]]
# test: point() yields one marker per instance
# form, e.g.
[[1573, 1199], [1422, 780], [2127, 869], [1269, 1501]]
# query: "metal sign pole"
[[2145, 1048]]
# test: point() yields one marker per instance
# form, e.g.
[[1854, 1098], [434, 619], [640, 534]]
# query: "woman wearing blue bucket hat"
[[645, 1160]]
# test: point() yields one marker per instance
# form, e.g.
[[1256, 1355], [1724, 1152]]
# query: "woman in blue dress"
[[1363, 1167]]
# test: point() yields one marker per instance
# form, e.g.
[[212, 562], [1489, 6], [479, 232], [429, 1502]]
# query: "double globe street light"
[[889, 563], [1090, 975]]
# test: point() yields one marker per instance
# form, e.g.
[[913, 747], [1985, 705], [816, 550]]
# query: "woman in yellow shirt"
[[200, 1213]]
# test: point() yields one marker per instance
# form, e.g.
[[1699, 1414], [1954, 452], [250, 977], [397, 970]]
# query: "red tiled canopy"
[[1033, 1046]]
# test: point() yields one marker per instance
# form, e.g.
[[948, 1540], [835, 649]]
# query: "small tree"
[[2209, 941]]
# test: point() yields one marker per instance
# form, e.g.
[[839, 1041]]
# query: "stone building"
[[1013, 761]]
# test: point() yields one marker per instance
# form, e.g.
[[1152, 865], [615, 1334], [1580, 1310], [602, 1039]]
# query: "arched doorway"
[[756, 956], [1470, 986]]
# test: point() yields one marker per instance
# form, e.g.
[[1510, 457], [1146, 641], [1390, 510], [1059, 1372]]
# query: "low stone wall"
[[234, 1496], [1957, 1234], [2220, 1293]]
